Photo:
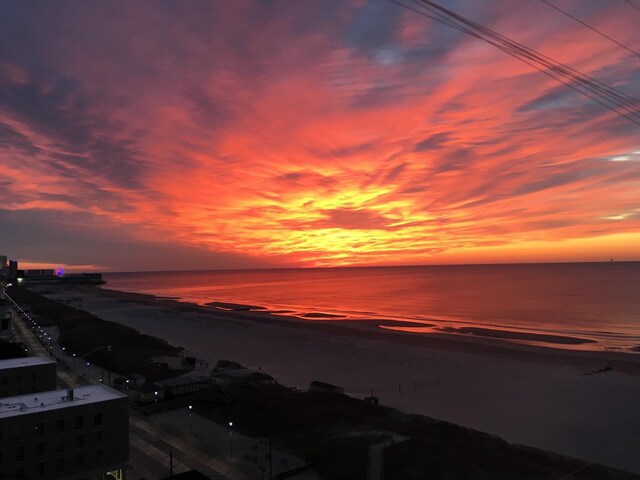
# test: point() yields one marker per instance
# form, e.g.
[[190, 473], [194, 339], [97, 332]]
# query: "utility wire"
[[547, 2], [632, 5], [511, 46], [608, 96], [519, 51]]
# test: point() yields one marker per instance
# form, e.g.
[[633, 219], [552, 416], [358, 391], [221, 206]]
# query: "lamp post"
[[190, 408], [88, 371], [230, 439], [156, 400]]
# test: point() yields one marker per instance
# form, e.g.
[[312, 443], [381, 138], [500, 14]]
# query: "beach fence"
[[400, 388]]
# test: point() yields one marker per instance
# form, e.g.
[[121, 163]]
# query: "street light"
[[190, 408], [156, 394], [230, 439]]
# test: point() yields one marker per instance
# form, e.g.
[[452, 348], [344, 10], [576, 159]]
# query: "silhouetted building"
[[40, 276], [12, 271], [3, 265], [70, 435], [182, 385]]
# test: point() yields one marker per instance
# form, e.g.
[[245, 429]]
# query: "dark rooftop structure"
[[317, 386], [190, 475]]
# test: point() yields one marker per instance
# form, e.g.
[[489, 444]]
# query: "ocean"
[[595, 302]]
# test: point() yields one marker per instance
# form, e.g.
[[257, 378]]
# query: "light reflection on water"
[[598, 301]]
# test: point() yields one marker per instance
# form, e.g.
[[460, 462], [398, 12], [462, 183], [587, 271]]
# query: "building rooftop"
[[55, 400], [184, 380], [24, 362]]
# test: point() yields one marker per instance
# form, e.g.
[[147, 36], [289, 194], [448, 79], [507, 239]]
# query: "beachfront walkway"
[[149, 445], [153, 440]]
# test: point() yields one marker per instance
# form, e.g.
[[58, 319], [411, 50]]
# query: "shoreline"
[[551, 336], [577, 308], [497, 345]]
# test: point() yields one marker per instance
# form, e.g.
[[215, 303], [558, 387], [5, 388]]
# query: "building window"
[[39, 449], [18, 378], [80, 460], [60, 445], [78, 441], [98, 436], [60, 425], [97, 418], [60, 465], [18, 433], [40, 469], [18, 454], [98, 456], [39, 428], [3, 380], [18, 473], [79, 423]]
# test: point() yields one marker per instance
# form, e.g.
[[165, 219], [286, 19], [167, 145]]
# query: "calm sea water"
[[597, 301]]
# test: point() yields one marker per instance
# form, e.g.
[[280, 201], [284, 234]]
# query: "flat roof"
[[24, 362], [55, 400]]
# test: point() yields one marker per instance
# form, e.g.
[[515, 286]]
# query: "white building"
[[65, 435], [26, 375]]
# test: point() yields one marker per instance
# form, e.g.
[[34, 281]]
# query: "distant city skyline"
[[221, 135]]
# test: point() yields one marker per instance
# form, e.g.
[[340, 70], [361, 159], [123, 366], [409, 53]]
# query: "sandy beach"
[[545, 398]]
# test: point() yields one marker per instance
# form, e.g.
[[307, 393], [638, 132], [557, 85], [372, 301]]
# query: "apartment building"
[[26, 375], [65, 435]]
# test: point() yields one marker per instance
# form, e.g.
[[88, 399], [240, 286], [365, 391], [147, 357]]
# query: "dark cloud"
[[342, 152], [56, 107], [74, 239], [394, 173], [344, 218], [560, 96], [305, 179], [454, 159], [552, 180], [432, 142], [373, 26], [10, 138]]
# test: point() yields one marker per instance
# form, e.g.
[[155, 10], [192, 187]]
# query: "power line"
[[547, 2], [613, 99], [632, 5]]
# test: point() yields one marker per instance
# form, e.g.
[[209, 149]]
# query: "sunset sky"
[[236, 134]]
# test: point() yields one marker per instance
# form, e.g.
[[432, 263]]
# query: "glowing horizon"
[[232, 135]]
